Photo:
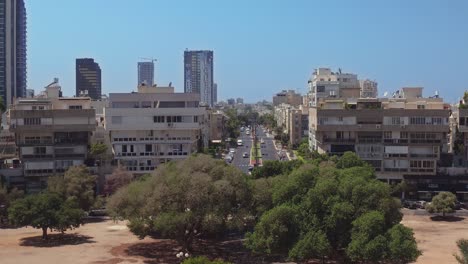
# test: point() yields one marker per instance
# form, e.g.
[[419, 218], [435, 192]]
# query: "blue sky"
[[260, 47]]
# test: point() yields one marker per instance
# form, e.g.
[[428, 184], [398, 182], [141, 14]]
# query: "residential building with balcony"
[[52, 133], [298, 125], [218, 130], [402, 137], [151, 127]]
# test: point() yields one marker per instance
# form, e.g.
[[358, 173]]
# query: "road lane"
[[239, 161]]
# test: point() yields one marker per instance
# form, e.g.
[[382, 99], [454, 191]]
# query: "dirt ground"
[[110, 242], [436, 239]]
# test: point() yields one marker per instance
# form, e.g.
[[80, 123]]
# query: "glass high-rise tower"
[[88, 78], [146, 73], [12, 50], [198, 74]]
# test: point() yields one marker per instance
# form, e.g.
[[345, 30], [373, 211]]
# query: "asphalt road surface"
[[239, 161], [268, 149]]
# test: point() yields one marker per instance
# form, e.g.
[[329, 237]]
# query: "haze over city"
[[259, 47]]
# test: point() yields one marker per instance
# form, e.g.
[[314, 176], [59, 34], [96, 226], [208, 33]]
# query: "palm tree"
[[463, 247]]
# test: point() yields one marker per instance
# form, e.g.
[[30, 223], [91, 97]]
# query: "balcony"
[[395, 169], [414, 155], [396, 141], [37, 156], [370, 140], [425, 141], [35, 142], [339, 140], [71, 141], [38, 173], [423, 170]]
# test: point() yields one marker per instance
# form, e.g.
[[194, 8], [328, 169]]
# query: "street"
[[268, 150], [239, 161]]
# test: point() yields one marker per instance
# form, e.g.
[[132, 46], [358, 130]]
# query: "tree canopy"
[[444, 202], [77, 182], [333, 208], [462, 245], [119, 178], [46, 211], [196, 197]]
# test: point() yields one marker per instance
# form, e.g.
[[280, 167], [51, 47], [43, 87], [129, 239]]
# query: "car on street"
[[232, 150], [239, 142], [262, 141], [459, 205], [229, 158], [421, 204], [251, 168], [247, 132], [245, 155]]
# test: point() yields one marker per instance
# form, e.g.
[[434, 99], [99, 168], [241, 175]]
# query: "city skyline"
[[397, 44]]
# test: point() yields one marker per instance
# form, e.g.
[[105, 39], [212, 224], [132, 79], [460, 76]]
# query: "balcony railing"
[[339, 140], [422, 170], [426, 141], [37, 156], [423, 155], [36, 142], [396, 169], [370, 140], [396, 140]]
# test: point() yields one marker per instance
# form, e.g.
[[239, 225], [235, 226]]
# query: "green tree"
[[46, 211], [339, 208], [77, 182], [348, 160], [203, 260], [196, 197], [444, 203], [98, 150], [276, 231], [462, 245], [402, 247], [6, 199]]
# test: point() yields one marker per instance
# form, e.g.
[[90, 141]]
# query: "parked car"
[[410, 204], [245, 155], [232, 150], [459, 205], [421, 204], [251, 168], [98, 212]]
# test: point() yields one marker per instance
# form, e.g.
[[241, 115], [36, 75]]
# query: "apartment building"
[[368, 88], [401, 137], [299, 125], [218, 130], [324, 83], [294, 120], [154, 126], [289, 97], [52, 133]]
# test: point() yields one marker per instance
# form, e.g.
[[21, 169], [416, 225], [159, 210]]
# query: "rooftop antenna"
[[339, 70]]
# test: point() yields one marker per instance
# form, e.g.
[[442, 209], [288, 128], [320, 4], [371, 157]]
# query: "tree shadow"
[[96, 219], [165, 251], [448, 218], [56, 240]]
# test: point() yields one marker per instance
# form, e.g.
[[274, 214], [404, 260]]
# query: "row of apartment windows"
[[149, 148], [152, 139], [32, 121], [175, 119]]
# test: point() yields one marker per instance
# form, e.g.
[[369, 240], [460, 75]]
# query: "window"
[[148, 148], [174, 119], [34, 108], [124, 149], [340, 118], [437, 120], [116, 120], [421, 107], [195, 119], [159, 119], [132, 148], [320, 89], [339, 134], [403, 134], [396, 120], [387, 134], [40, 150], [32, 121], [146, 104], [417, 120], [75, 107], [41, 107]]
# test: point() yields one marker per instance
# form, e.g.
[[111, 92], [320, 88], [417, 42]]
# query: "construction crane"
[[150, 59]]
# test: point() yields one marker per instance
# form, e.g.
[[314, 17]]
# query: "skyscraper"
[[146, 73], [215, 93], [88, 78], [198, 74], [12, 50]]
